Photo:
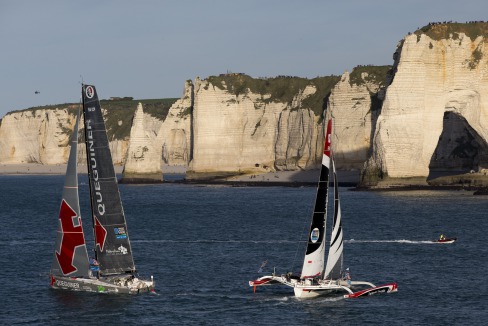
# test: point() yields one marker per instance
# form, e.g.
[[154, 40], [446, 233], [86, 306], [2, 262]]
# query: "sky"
[[147, 49]]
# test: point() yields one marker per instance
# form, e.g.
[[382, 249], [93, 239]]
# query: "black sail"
[[112, 245]]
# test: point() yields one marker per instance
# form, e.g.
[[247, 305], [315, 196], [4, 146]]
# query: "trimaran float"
[[70, 268], [316, 280]]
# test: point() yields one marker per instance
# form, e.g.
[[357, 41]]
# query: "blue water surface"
[[203, 244]]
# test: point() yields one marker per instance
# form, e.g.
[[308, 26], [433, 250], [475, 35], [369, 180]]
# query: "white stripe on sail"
[[313, 264], [335, 251], [333, 268], [326, 161]]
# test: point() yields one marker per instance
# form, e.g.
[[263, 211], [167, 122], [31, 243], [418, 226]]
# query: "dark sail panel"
[[112, 245]]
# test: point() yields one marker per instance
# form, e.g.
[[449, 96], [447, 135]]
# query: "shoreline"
[[307, 178], [60, 169]]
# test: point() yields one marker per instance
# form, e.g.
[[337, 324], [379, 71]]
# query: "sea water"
[[203, 244]]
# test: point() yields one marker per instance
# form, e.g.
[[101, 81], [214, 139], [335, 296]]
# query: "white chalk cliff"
[[211, 129], [353, 114], [430, 114], [42, 136], [142, 162], [36, 136], [174, 134], [244, 133], [434, 78]]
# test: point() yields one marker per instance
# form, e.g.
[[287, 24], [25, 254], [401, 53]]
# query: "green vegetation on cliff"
[[120, 113], [438, 31], [372, 74], [281, 88]]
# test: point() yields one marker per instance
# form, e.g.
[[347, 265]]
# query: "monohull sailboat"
[[70, 269], [320, 276]]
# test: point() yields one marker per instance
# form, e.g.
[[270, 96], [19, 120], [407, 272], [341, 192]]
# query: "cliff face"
[[42, 136], [245, 133], [142, 160], [174, 134], [436, 80], [220, 126], [354, 107], [38, 136]]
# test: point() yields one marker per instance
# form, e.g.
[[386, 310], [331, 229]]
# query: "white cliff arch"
[[433, 77]]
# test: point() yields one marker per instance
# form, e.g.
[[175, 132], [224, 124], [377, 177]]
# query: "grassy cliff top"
[[438, 31], [158, 108], [375, 74], [118, 120], [120, 113], [281, 88]]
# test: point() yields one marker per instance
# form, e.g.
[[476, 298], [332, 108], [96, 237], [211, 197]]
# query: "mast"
[[88, 171], [112, 245], [313, 263], [70, 256]]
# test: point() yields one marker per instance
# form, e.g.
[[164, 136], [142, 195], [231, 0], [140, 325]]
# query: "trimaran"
[[316, 280], [70, 268]]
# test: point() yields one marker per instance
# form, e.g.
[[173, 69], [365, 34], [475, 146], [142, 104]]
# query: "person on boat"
[[347, 276], [442, 237], [94, 266]]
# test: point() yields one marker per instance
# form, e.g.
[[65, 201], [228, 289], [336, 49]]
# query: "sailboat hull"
[[305, 288], [386, 288], [316, 291], [116, 285]]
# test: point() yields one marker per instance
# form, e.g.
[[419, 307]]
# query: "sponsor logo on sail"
[[119, 251], [314, 236], [123, 250], [99, 205], [120, 233], [89, 92]]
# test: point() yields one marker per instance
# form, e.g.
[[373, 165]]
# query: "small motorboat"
[[445, 240]]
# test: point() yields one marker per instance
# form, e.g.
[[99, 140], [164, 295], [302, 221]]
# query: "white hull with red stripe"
[[310, 288]]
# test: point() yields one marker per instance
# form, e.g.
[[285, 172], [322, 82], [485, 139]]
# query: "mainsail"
[[70, 256], [112, 245], [333, 269], [313, 263]]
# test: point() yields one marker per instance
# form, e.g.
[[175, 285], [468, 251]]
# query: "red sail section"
[[72, 238], [328, 139], [100, 234]]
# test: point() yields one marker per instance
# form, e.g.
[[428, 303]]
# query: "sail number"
[[91, 109]]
